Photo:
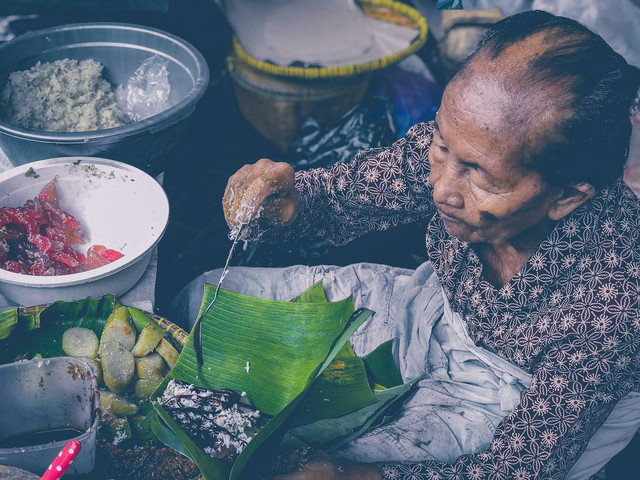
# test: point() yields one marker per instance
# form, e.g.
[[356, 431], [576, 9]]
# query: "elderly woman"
[[524, 326]]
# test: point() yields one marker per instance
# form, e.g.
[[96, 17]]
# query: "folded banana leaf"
[[273, 351], [294, 362], [332, 433]]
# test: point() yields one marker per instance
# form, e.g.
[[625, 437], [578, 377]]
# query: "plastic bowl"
[[121, 48], [44, 395], [117, 205]]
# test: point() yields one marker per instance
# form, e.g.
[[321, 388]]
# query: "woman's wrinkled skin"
[[265, 184], [484, 190]]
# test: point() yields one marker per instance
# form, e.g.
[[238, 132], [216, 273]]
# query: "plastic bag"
[[146, 93], [412, 90]]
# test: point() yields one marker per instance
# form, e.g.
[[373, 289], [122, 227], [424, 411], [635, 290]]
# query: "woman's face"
[[481, 189]]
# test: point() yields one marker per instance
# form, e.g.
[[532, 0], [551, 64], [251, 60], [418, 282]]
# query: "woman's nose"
[[446, 186]]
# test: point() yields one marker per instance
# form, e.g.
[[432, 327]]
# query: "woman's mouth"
[[448, 218]]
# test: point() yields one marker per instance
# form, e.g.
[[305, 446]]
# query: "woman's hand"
[[311, 464], [266, 184]]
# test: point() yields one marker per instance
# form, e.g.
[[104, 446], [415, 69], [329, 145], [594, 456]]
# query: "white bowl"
[[117, 205]]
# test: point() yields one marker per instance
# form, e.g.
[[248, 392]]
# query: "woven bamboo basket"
[[275, 100]]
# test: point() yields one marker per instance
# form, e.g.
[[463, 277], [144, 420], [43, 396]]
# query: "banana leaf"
[[313, 294], [246, 340], [381, 366], [342, 387], [27, 331], [332, 433], [303, 342], [272, 350]]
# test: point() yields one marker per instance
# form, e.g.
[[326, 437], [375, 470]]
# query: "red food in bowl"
[[37, 239]]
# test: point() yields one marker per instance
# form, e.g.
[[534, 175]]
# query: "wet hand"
[[266, 184]]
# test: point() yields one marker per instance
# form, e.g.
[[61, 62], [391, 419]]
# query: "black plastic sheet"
[[371, 123]]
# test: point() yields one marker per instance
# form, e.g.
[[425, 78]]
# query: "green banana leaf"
[[27, 331], [261, 448], [381, 366], [332, 433], [313, 294], [342, 388], [272, 350], [303, 343], [247, 339]]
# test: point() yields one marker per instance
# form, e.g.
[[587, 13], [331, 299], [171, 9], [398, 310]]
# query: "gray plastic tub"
[[49, 394], [121, 48]]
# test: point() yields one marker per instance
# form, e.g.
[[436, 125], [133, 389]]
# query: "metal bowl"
[[117, 205], [148, 144], [49, 394]]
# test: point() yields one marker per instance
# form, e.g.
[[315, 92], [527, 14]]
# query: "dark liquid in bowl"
[[40, 437]]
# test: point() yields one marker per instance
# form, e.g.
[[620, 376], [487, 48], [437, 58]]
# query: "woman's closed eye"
[[439, 142]]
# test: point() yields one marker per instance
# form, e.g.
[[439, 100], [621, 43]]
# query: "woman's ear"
[[571, 198]]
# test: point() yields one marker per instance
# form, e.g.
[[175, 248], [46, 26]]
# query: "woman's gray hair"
[[591, 145]]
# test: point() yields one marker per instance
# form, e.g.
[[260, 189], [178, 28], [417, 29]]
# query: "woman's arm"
[[380, 188]]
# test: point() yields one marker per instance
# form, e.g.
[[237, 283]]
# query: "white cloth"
[[464, 391], [327, 33]]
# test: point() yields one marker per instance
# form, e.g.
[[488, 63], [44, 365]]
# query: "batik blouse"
[[569, 316]]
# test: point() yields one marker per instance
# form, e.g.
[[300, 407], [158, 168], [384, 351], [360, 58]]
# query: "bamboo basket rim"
[[344, 70]]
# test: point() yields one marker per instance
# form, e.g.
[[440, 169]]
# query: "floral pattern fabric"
[[569, 316]]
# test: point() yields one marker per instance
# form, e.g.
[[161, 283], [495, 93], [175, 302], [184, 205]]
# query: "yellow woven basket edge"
[[345, 70]]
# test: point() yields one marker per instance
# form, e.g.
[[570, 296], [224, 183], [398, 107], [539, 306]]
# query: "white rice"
[[61, 96]]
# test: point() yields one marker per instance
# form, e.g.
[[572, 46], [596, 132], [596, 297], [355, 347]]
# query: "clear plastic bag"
[[146, 93]]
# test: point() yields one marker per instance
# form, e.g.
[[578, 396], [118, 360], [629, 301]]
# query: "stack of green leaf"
[[295, 364]]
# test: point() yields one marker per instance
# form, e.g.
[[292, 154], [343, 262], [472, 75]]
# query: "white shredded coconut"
[[243, 217], [237, 424], [119, 437]]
